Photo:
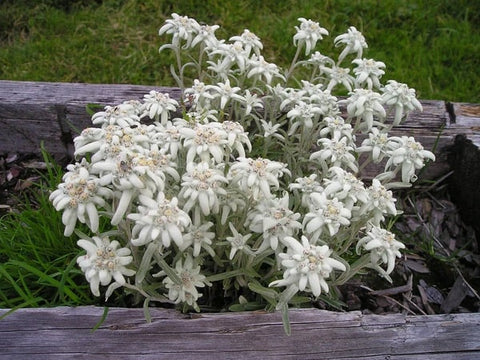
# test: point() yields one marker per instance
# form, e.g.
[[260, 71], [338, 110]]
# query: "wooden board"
[[32, 112], [66, 333]]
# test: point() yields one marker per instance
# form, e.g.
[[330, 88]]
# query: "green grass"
[[431, 45], [38, 264]]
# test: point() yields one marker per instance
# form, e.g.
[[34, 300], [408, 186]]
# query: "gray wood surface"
[[66, 333], [32, 112]]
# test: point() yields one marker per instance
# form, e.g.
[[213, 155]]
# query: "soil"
[[439, 272]]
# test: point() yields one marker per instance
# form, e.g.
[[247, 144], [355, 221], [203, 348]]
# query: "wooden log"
[[65, 333], [32, 112]]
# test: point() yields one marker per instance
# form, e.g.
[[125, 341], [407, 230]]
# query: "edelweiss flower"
[[208, 141], [256, 176], [198, 95], [191, 279], [206, 35], [181, 28], [159, 220], [78, 196], [271, 130], [250, 42], [382, 246], [325, 214], [307, 266], [304, 115], [336, 128], [232, 54], [354, 42], [198, 237], [346, 187], [308, 34], [338, 75], [335, 153], [378, 144], [236, 137], [402, 98], [364, 105], [306, 185], [158, 106], [368, 72], [410, 155], [124, 115], [237, 241], [225, 92], [381, 201], [260, 68], [201, 188], [272, 218], [103, 262]]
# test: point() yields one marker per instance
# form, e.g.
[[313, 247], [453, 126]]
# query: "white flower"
[[256, 176], [198, 237], [201, 188], [78, 196], [104, 261], [206, 35], [320, 60], [169, 137], [207, 141], [307, 266], [365, 105], [382, 246], [410, 155], [346, 187], [232, 202], [354, 43], [306, 185], [181, 28], [158, 105], [303, 114], [159, 220], [336, 128], [402, 98], [271, 130], [260, 68], [124, 115], [237, 241], [225, 92], [236, 137], [368, 72], [232, 54], [113, 141], [250, 42], [338, 75], [272, 218], [378, 143], [308, 34], [191, 279], [325, 214], [252, 101], [335, 153], [198, 95], [381, 201]]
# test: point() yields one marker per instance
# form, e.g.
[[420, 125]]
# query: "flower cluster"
[[251, 179]]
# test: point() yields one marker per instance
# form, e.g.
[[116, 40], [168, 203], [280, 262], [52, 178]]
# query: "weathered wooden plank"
[[31, 112], [62, 333]]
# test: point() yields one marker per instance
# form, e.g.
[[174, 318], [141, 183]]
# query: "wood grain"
[[65, 333]]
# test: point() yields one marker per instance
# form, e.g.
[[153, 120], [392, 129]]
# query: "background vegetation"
[[434, 46]]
